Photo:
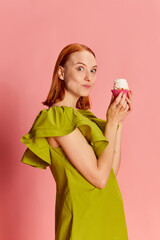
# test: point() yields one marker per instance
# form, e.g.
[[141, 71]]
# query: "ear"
[[61, 72]]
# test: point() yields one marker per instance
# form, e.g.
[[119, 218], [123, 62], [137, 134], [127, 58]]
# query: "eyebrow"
[[84, 64]]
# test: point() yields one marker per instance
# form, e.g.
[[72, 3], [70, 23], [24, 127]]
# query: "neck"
[[69, 100]]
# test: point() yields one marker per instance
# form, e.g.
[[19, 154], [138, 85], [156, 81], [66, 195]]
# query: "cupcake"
[[120, 85]]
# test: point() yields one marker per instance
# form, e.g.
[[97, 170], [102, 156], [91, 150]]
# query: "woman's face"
[[79, 72]]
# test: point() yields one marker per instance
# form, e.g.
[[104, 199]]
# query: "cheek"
[[72, 82], [74, 76], [75, 80], [77, 76]]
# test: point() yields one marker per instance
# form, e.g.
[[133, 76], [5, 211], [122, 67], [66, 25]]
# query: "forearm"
[[105, 161], [117, 151]]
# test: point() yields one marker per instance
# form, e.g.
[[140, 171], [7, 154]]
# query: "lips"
[[87, 86]]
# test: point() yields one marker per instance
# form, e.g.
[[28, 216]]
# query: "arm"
[[96, 171], [117, 154], [105, 161]]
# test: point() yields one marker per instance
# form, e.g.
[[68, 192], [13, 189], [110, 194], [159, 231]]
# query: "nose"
[[88, 76]]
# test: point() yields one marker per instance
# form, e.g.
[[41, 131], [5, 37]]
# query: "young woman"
[[82, 151]]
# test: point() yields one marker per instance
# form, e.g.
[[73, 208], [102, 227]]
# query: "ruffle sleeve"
[[58, 121], [101, 123]]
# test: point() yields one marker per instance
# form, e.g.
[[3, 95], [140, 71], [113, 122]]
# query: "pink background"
[[125, 36]]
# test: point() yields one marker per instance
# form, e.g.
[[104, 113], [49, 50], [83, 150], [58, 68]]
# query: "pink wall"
[[125, 36]]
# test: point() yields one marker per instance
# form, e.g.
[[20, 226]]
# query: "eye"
[[95, 70], [79, 67]]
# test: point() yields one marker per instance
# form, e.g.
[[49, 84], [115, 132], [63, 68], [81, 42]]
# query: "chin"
[[84, 94]]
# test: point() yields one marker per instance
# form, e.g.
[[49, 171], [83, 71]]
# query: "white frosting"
[[120, 83]]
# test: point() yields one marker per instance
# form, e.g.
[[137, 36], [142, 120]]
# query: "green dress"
[[82, 211]]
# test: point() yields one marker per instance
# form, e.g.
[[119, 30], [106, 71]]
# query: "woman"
[[82, 151]]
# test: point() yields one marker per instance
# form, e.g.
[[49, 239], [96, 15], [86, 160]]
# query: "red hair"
[[57, 91]]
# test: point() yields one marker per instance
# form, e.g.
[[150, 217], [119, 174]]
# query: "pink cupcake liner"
[[117, 91]]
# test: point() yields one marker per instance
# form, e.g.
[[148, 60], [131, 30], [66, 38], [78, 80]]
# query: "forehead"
[[84, 56]]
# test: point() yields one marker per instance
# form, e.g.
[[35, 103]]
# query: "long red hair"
[[57, 90]]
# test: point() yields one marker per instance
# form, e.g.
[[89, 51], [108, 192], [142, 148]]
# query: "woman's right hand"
[[117, 109]]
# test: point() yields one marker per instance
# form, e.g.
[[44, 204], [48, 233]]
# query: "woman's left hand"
[[128, 105]]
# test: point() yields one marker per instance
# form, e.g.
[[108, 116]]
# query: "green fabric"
[[82, 211]]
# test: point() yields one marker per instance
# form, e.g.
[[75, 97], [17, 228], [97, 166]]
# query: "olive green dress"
[[82, 211]]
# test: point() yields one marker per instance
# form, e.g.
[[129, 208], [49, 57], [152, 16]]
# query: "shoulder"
[[55, 121], [54, 116]]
